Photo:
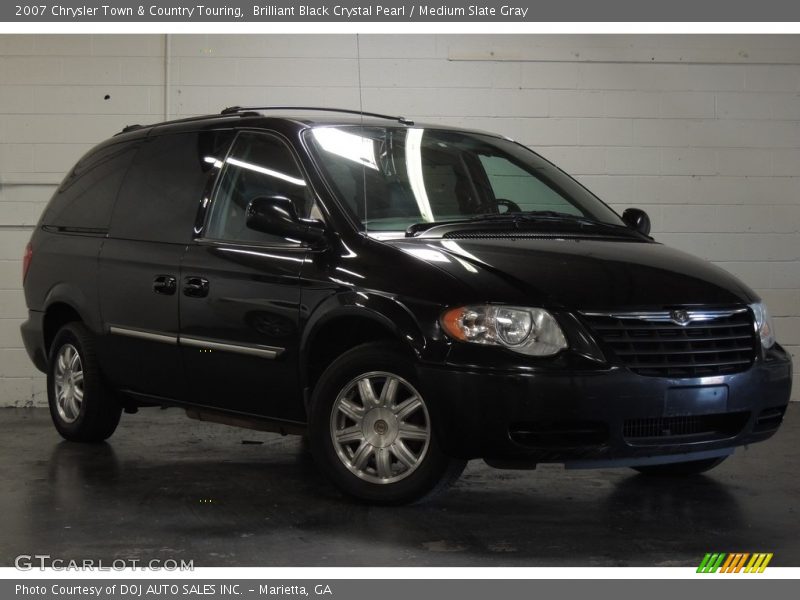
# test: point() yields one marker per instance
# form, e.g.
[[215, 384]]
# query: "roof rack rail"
[[237, 109], [128, 128]]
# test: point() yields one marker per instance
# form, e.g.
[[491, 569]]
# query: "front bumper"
[[609, 417]]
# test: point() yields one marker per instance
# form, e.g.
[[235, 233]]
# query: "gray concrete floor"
[[168, 487]]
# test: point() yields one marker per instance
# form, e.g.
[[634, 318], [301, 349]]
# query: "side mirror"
[[637, 219], [276, 215]]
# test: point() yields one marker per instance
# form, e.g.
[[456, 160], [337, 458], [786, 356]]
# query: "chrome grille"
[[655, 344]]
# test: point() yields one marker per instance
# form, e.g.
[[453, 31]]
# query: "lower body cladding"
[[604, 418]]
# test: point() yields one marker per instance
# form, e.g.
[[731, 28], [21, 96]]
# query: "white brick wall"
[[701, 131]]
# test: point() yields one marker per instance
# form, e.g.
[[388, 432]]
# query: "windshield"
[[393, 177]]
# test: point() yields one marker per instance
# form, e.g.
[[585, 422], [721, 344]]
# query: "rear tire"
[[81, 407], [681, 469], [370, 429]]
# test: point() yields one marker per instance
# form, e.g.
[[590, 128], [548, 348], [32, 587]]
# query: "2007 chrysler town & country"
[[411, 297]]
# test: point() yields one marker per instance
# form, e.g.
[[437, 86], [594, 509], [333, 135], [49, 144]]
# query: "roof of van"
[[267, 117]]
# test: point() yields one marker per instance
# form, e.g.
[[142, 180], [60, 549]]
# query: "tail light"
[[26, 260]]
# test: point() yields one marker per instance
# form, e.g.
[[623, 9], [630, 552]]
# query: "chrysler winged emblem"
[[679, 317]]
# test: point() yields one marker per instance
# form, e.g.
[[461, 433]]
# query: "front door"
[[240, 289]]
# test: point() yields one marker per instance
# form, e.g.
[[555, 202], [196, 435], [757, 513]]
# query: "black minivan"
[[408, 296]]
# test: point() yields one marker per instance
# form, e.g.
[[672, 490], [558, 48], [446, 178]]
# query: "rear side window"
[[164, 187], [85, 199]]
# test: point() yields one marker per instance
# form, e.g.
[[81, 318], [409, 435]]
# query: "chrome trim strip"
[[260, 351], [143, 335], [666, 315]]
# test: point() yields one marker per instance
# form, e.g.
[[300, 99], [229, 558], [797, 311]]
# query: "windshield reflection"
[[393, 177]]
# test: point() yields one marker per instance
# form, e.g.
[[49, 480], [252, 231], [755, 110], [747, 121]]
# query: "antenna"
[[358, 63], [361, 108]]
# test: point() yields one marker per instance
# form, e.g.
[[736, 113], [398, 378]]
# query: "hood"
[[581, 274]]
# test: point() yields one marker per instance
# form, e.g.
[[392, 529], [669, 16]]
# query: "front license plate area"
[[696, 400]]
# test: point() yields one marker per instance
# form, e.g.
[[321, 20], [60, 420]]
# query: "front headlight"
[[531, 331], [763, 323]]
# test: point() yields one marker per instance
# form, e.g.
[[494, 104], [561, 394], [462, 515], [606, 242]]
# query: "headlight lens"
[[531, 331], [763, 323]]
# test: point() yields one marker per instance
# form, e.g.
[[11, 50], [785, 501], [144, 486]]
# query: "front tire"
[[371, 431], [81, 407], [681, 469]]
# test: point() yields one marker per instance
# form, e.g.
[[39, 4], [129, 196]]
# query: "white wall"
[[702, 131]]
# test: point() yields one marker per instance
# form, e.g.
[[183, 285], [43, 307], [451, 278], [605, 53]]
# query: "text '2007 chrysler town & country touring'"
[[410, 297]]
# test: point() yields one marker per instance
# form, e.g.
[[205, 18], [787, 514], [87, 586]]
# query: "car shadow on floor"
[[273, 507]]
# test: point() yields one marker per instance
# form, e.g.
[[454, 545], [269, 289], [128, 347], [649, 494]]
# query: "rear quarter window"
[[85, 199]]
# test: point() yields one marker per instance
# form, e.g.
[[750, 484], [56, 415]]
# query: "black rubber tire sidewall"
[[437, 470], [100, 412]]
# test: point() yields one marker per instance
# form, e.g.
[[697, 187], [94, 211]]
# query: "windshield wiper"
[[518, 218], [543, 215]]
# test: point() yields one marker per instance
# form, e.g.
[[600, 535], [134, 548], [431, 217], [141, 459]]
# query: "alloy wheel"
[[68, 382], [380, 427]]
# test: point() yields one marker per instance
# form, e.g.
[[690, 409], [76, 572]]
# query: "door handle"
[[165, 284], [195, 287]]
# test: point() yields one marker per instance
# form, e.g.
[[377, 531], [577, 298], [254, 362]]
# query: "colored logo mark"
[[737, 562]]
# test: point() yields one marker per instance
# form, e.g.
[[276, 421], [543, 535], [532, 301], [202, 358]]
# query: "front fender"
[[383, 310]]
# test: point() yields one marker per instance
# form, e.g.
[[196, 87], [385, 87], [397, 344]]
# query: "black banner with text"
[[403, 11]]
